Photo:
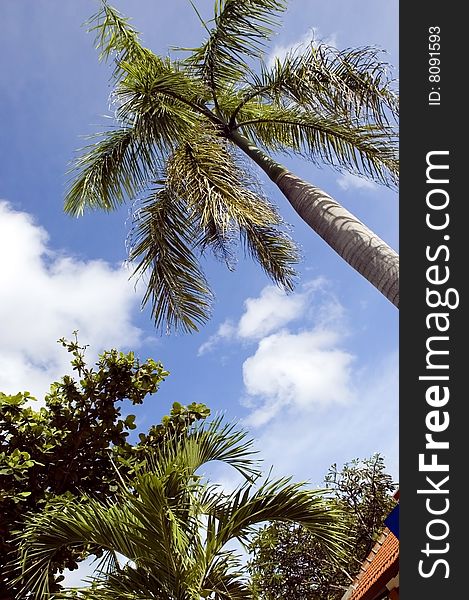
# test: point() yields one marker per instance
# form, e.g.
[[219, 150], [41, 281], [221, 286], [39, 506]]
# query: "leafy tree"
[[289, 563], [186, 130], [172, 527], [75, 442]]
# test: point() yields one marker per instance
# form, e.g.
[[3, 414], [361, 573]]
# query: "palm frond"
[[124, 584], [275, 251], [153, 121], [205, 174], [278, 500], [161, 245], [134, 583], [90, 523], [226, 578], [153, 81], [368, 149], [110, 171], [353, 84], [216, 441], [166, 528], [115, 37], [224, 442], [142, 527], [240, 30], [227, 201]]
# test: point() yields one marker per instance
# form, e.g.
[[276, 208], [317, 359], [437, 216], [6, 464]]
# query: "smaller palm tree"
[[172, 527]]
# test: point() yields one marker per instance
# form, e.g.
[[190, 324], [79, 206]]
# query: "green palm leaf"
[[226, 579], [352, 84], [125, 160], [274, 251], [224, 196], [277, 500], [360, 149], [115, 37], [217, 441], [171, 527], [161, 246], [152, 81], [110, 171], [240, 30]]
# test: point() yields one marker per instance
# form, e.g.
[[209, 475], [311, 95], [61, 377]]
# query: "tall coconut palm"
[[186, 131], [166, 534]]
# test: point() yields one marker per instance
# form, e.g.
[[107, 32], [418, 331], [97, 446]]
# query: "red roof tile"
[[380, 566]]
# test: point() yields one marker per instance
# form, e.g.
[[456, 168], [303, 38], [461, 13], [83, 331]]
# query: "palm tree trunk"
[[342, 231]]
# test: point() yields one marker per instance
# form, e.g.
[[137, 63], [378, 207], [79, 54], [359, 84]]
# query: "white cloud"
[[304, 443], [274, 309], [349, 181], [310, 400], [304, 367], [271, 310], [312, 36], [305, 370], [44, 296], [225, 332]]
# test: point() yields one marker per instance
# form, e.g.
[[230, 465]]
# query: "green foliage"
[[183, 124], [165, 533], [77, 442], [240, 32], [161, 245], [289, 563]]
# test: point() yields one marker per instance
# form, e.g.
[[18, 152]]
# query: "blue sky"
[[312, 375]]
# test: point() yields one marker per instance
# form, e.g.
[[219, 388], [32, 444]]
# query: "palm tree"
[[185, 130], [165, 535]]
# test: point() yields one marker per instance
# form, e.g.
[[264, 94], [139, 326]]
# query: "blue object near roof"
[[392, 521]]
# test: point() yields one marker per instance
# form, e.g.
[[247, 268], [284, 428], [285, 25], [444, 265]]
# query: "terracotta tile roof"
[[381, 565]]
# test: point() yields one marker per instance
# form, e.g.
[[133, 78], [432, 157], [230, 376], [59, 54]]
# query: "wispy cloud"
[[298, 359], [225, 332], [349, 181], [272, 310], [310, 399], [312, 36], [46, 295]]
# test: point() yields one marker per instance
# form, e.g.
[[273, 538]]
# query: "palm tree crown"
[[185, 130], [172, 527]]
